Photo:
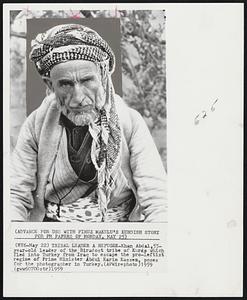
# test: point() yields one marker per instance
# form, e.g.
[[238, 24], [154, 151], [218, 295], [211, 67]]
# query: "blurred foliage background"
[[143, 48]]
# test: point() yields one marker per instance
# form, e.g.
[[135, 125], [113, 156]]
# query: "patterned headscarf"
[[69, 42], [76, 42]]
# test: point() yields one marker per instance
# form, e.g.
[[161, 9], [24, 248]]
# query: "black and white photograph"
[[123, 157], [82, 141]]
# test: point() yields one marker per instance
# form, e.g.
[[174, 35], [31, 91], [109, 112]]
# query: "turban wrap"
[[69, 42], [77, 42]]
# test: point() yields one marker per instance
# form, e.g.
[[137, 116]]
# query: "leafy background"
[[143, 65]]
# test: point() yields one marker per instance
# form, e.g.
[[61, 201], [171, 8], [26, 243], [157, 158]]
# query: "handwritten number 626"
[[202, 115]]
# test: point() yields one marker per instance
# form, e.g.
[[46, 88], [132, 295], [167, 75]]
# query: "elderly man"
[[84, 155]]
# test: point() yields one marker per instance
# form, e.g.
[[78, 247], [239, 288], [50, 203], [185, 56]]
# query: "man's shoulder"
[[49, 102], [130, 119], [47, 105], [127, 115], [38, 118]]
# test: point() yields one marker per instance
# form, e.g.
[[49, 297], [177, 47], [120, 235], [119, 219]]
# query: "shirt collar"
[[67, 123]]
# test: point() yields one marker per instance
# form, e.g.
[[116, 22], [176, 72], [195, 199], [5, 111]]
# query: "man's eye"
[[85, 79], [66, 83]]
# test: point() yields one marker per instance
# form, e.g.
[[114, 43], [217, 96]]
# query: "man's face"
[[77, 84]]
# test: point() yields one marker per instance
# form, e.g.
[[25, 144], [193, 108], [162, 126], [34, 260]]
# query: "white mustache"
[[80, 119]]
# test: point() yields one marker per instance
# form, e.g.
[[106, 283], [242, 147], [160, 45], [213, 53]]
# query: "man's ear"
[[48, 82]]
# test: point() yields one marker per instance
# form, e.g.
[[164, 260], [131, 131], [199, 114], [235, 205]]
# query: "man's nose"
[[77, 96]]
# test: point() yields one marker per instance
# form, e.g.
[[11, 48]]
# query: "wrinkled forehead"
[[74, 69]]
